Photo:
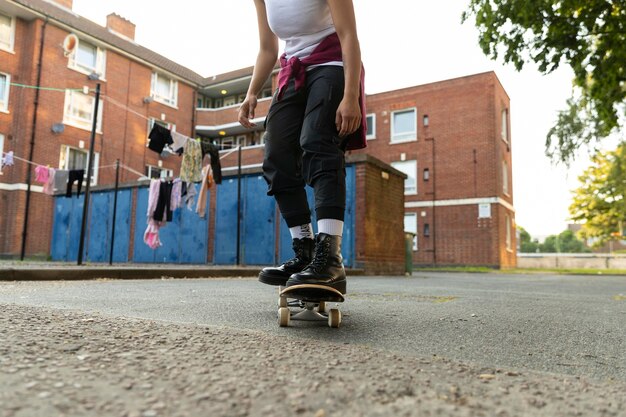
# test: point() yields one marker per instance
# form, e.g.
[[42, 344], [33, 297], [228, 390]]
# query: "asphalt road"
[[560, 324]]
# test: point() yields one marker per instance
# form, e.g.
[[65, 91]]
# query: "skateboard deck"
[[309, 305], [313, 293]]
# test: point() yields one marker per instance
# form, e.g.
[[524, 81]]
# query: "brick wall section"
[[379, 217], [124, 133]]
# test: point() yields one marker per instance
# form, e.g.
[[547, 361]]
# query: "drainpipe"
[[31, 151]]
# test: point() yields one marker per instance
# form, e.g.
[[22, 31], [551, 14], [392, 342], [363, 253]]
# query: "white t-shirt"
[[302, 24]]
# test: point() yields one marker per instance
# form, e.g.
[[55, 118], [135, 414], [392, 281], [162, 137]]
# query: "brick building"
[[451, 138]]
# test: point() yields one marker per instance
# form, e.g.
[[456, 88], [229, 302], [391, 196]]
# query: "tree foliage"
[[589, 35], [564, 242], [599, 204], [527, 244]]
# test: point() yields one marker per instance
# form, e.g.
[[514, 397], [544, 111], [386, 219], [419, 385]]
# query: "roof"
[[102, 34]]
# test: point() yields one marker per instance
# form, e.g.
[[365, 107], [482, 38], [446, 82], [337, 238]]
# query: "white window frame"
[[1, 150], [100, 57], [507, 227], [172, 99], [414, 215], [229, 101], [64, 162], [405, 136], [70, 119], [165, 172], [11, 46], [399, 165], [505, 177], [504, 125], [373, 124], [4, 101]]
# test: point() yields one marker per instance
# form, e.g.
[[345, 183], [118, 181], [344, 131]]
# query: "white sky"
[[404, 43]]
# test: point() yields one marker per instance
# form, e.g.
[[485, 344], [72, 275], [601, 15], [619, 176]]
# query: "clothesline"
[[34, 87], [21, 159]]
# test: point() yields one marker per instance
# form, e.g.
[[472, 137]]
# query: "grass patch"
[[553, 271]]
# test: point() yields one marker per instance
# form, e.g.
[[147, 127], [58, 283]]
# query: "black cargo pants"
[[302, 145]]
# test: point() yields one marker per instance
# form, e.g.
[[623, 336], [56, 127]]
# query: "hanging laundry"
[[216, 166], [159, 137], [60, 180], [42, 174], [48, 187], [75, 175], [207, 182], [191, 166], [176, 201], [7, 160], [163, 211], [151, 235], [179, 142], [188, 194]]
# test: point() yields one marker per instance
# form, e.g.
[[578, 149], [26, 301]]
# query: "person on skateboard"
[[317, 113]]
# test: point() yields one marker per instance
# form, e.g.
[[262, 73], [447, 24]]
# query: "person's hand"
[[246, 111], [348, 117]]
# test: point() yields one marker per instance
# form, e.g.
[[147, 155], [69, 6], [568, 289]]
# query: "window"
[[507, 219], [410, 169], [241, 141], [371, 126], [227, 143], [72, 158], [1, 150], [410, 225], [505, 177], [426, 229], [164, 90], [156, 172], [404, 125], [7, 32], [230, 101], [88, 59], [505, 126], [5, 83], [79, 109], [217, 103]]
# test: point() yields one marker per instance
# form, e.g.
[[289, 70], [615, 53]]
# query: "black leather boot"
[[278, 275], [326, 268]]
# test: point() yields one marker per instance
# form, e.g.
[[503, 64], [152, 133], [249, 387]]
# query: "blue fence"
[[186, 238]]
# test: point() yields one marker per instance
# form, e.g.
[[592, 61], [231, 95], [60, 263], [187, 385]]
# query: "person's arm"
[[265, 61], [348, 118]]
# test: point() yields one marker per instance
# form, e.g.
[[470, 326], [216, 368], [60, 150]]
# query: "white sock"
[[302, 231], [331, 227]]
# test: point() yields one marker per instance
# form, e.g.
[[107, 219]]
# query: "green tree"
[[599, 204], [527, 244], [564, 242], [589, 35]]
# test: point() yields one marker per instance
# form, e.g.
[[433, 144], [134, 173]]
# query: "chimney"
[[64, 3], [120, 26]]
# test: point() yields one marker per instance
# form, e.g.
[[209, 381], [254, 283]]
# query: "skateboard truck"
[[311, 300]]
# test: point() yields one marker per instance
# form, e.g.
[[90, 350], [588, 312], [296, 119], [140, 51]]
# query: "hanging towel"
[[75, 175], [151, 235], [42, 174], [189, 195], [207, 180], [159, 137], [216, 166], [48, 187], [191, 166], [179, 142], [60, 180]]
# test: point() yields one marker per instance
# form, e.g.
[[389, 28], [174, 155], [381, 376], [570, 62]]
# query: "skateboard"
[[308, 303]]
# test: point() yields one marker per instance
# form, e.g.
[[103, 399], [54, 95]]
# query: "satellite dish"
[[70, 43]]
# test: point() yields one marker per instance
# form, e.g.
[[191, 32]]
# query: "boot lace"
[[320, 258], [299, 250]]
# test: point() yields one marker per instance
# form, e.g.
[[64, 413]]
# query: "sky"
[[424, 41]]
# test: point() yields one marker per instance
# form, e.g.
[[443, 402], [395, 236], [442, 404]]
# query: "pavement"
[[434, 344]]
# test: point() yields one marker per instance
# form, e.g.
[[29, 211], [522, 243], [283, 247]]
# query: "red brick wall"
[[124, 133]]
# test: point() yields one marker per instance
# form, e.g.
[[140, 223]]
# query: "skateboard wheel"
[[321, 308], [282, 302], [334, 318], [283, 317]]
